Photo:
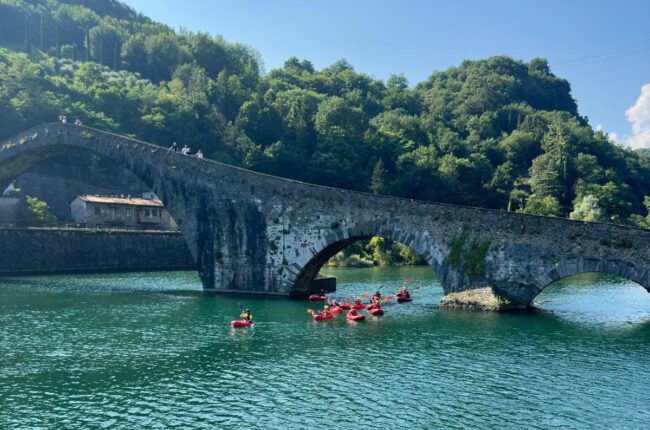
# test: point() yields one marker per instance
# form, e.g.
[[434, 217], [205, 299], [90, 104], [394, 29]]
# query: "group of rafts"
[[335, 307], [353, 307]]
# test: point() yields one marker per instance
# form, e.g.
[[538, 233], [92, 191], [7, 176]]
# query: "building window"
[[146, 213], [128, 212], [98, 210]]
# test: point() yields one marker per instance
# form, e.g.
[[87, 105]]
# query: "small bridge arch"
[[577, 266]]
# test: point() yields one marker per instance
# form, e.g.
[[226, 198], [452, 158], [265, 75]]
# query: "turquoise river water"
[[152, 351]]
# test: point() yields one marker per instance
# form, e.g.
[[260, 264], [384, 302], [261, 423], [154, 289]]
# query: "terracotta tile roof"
[[115, 200]]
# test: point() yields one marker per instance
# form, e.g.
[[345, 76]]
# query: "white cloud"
[[639, 116], [599, 127]]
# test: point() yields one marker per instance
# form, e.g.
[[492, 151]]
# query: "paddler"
[[353, 312], [376, 296], [246, 315], [404, 292], [326, 311], [375, 300]]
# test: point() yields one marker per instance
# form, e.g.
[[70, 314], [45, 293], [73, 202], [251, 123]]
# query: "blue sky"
[[601, 47]]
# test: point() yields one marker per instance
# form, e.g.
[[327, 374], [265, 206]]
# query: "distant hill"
[[497, 132]]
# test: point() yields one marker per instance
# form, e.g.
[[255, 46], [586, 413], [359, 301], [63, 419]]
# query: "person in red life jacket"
[[404, 292], [325, 313], [376, 296], [375, 300], [353, 313]]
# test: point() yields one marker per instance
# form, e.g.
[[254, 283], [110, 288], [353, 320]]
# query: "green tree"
[[587, 208], [134, 55], [164, 53], [378, 179], [542, 205], [211, 54], [37, 212]]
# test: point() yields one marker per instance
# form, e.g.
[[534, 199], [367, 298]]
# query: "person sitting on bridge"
[[246, 315], [185, 150], [173, 148], [199, 154]]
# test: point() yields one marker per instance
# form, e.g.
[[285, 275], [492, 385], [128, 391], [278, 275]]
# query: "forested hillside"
[[497, 133]]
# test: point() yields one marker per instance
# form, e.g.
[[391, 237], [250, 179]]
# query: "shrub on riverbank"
[[376, 252]]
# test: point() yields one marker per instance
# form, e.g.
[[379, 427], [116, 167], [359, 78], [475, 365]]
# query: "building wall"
[[44, 250], [58, 192], [78, 210], [93, 213]]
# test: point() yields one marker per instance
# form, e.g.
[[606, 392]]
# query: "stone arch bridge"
[[256, 233]]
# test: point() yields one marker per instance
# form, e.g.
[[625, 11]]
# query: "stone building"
[[120, 211]]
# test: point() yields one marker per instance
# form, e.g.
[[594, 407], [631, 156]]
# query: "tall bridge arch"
[[251, 232]]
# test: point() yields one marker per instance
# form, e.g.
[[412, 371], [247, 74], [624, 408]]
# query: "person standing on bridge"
[[173, 148]]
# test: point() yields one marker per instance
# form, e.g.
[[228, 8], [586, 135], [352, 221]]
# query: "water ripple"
[[123, 353]]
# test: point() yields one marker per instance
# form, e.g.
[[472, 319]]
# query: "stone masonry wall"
[[45, 250]]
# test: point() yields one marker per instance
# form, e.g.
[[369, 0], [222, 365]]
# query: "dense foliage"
[[37, 212], [376, 252], [496, 133]]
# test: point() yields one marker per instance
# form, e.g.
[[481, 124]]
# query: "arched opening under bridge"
[[364, 251], [596, 297]]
